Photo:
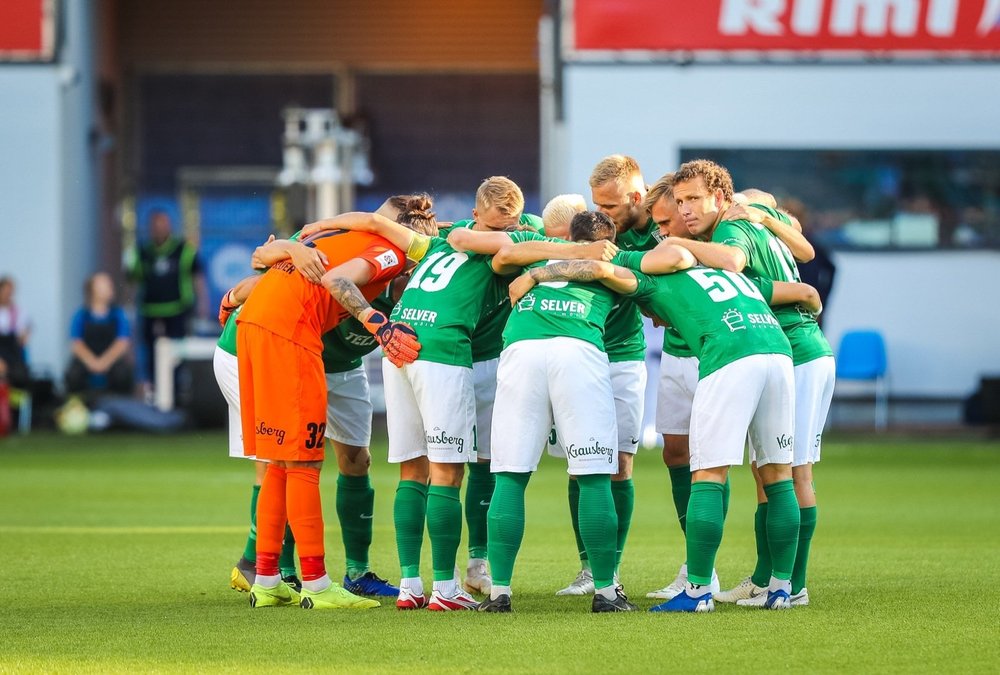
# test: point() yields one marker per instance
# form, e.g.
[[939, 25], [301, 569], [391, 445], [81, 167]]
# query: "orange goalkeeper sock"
[[305, 516], [270, 520]]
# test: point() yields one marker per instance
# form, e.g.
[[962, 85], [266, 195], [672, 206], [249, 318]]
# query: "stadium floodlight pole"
[[325, 157]]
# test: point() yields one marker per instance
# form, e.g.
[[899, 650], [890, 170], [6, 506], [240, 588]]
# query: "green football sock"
[[355, 510], [286, 562], [598, 526], [704, 530], [623, 493], [725, 499], [806, 528], [782, 527], [250, 550], [444, 526], [506, 524], [680, 489], [478, 494], [574, 516], [762, 572], [408, 513]]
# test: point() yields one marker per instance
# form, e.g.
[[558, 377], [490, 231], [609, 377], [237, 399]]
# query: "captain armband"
[[417, 249]]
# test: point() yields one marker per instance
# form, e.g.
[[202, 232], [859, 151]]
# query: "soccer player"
[[618, 191], [226, 368], [349, 423], [703, 191], [283, 395], [558, 213], [499, 207], [349, 416], [745, 386], [676, 387], [553, 369], [348, 428]]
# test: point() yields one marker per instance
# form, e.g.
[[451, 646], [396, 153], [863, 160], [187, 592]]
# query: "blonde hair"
[[664, 187], [619, 168], [501, 193], [716, 177], [561, 209]]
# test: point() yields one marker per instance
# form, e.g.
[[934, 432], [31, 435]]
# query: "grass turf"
[[116, 552]]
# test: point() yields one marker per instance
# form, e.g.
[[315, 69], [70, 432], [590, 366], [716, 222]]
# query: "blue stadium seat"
[[862, 357]]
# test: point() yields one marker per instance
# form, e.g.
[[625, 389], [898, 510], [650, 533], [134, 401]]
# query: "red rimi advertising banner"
[[836, 28], [27, 30]]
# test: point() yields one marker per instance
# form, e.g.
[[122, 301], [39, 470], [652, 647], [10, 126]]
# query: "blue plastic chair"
[[862, 357]]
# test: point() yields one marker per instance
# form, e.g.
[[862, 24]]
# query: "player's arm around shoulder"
[[465, 240], [414, 243], [308, 260], [714, 254], [667, 258], [515, 255], [790, 233], [788, 293], [618, 279]]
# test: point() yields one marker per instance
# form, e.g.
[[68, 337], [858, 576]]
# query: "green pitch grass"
[[116, 550]]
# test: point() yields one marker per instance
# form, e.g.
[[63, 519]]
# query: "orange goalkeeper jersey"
[[289, 305]]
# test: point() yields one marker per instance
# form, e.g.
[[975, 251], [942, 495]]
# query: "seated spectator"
[[100, 342], [15, 329]]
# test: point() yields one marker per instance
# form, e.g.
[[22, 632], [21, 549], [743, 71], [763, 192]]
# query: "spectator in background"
[[15, 329], [171, 283], [100, 342], [819, 272]]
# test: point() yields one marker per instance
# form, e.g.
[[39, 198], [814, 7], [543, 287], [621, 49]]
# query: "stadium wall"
[[48, 184], [940, 339]]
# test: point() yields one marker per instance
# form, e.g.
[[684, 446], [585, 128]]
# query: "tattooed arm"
[[398, 340], [343, 283], [618, 279]]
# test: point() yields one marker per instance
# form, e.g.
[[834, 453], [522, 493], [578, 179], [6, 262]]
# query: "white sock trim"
[[497, 591]]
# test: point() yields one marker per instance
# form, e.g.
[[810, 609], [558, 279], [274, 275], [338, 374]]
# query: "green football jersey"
[[227, 341], [561, 309], [674, 344], [444, 301], [722, 315], [635, 239], [487, 337], [349, 341], [769, 258], [624, 337]]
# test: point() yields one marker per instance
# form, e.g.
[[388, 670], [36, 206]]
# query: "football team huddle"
[[506, 336]]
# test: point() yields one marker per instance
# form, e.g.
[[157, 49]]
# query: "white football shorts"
[[814, 381], [561, 381], [484, 380], [675, 393], [349, 407], [227, 374], [751, 397], [628, 385], [430, 411]]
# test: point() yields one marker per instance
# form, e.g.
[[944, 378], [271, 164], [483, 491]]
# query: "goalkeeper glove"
[[398, 340], [226, 307]]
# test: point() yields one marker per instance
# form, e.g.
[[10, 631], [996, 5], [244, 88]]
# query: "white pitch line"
[[123, 529]]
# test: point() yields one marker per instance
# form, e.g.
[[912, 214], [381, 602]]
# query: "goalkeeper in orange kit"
[[283, 392]]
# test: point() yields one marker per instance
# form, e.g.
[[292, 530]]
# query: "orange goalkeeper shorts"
[[282, 397]]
